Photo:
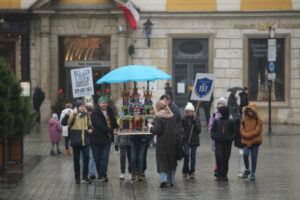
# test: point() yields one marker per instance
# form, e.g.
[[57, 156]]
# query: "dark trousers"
[[137, 156], [254, 154], [189, 152], [67, 142], [222, 152], [101, 157], [125, 150], [206, 109], [76, 159], [38, 117], [145, 157]]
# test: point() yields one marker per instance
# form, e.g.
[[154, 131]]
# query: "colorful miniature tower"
[[125, 114], [148, 108]]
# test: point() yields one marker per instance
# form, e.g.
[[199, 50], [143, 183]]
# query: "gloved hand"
[[116, 147]]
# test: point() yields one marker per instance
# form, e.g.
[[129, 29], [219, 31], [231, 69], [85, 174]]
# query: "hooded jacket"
[[251, 128], [65, 131], [223, 129]]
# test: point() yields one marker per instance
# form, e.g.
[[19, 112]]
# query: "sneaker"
[[122, 176], [92, 177], [102, 179], [52, 153], [86, 180], [184, 175], [192, 176], [246, 173], [252, 177], [77, 180], [163, 185], [129, 176], [240, 175]]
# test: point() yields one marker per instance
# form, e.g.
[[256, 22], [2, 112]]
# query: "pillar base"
[[45, 111]]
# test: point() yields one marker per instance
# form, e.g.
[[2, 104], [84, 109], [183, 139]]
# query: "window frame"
[[286, 63]]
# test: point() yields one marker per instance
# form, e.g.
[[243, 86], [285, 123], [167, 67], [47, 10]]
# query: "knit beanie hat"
[[79, 103], [190, 107], [224, 111], [221, 101], [54, 116], [103, 98]]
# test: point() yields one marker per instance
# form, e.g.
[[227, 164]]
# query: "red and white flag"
[[131, 14]]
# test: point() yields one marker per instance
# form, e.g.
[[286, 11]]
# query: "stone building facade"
[[227, 38]]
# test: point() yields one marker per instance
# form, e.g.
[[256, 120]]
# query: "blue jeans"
[[101, 157], [189, 152], [168, 177], [137, 156], [76, 158], [91, 162], [254, 154]]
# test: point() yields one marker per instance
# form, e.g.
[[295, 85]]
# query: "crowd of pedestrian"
[[90, 131]]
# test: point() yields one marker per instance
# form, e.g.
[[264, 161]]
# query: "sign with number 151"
[[203, 86]]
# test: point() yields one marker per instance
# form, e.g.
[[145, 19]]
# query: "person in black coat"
[[223, 132], [168, 90], [243, 99], [105, 125], [37, 100], [190, 143]]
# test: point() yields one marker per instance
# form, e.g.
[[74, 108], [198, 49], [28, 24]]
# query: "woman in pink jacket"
[[54, 128]]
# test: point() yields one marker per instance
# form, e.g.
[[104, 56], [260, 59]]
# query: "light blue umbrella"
[[134, 73]]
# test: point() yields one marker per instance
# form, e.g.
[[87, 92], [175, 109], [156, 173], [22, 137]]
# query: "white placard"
[[180, 88], [26, 89], [82, 82], [203, 87], [271, 76], [271, 50]]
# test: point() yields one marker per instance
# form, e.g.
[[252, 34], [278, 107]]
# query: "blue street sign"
[[203, 87], [271, 67]]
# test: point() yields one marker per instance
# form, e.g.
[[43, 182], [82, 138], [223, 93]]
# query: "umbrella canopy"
[[234, 89], [134, 73]]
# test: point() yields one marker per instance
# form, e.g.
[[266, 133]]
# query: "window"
[[258, 71]]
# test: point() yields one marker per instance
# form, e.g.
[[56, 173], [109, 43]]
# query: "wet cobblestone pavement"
[[51, 177]]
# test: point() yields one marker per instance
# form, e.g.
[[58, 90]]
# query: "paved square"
[[52, 177]]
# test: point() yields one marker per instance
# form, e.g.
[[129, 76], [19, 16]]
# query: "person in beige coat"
[[251, 135]]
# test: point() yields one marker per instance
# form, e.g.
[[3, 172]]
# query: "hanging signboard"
[[203, 86], [82, 82], [271, 50]]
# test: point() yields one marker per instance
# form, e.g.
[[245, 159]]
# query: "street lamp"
[[148, 25]]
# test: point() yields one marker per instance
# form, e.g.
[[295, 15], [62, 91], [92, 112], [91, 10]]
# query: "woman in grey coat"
[[165, 129]]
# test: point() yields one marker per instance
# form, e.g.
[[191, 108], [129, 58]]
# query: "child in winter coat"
[[251, 132], [122, 142], [54, 131], [191, 140], [221, 102], [223, 132]]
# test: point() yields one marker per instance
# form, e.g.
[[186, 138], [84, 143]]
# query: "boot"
[[192, 176], [133, 174], [68, 152], [52, 153], [140, 176]]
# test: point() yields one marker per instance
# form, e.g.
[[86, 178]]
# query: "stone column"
[[45, 66], [122, 58]]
